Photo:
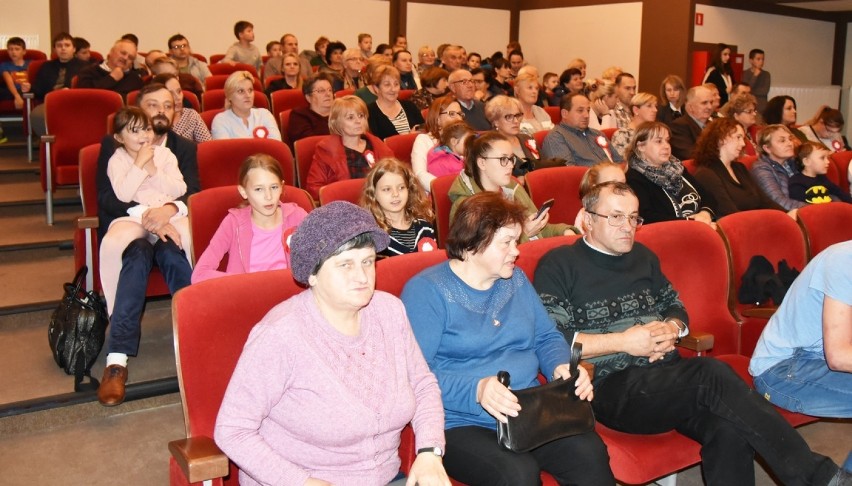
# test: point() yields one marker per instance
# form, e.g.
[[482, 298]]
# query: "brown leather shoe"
[[111, 391]]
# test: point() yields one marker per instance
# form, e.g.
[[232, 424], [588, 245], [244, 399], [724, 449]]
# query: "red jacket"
[[329, 164]]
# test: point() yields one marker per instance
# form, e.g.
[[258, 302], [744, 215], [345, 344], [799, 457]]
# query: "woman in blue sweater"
[[475, 315]]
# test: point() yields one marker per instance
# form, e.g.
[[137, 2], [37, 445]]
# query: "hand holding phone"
[[547, 204]]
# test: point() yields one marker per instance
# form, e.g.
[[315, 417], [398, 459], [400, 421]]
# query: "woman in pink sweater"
[[328, 379], [255, 234]]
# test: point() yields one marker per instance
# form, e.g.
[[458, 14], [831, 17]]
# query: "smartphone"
[[547, 204]]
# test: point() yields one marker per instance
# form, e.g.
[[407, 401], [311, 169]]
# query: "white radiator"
[[810, 98]]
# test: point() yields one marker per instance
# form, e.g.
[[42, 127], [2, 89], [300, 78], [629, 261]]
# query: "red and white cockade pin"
[[837, 145], [260, 132], [371, 158], [426, 244], [286, 236], [602, 141], [531, 145]]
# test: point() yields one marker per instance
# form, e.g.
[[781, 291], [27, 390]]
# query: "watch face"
[[439, 452]]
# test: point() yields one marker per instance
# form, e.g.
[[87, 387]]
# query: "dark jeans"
[[475, 458], [705, 400], [137, 260]]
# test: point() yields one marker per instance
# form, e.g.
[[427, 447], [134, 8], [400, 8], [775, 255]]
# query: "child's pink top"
[[442, 161]]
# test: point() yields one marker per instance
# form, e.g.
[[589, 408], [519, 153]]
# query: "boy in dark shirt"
[[810, 184]]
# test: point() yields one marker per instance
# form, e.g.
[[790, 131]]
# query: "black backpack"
[[77, 331]]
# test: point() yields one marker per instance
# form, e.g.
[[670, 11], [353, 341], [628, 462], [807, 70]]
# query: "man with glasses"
[[180, 51], [572, 140], [462, 86], [610, 294]]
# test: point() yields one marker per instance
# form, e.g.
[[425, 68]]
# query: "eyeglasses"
[[749, 112], [453, 114], [618, 220], [178, 46], [509, 117], [322, 91], [463, 81], [505, 160]]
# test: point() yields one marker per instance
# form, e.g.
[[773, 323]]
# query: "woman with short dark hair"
[[476, 314]]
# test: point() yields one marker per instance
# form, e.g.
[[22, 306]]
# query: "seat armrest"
[[48, 138], [761, 312], [199, 458], [28, 96], [697, 341], [87, 222]]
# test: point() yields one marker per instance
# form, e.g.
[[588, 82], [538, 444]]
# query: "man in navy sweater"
[[610, 294]]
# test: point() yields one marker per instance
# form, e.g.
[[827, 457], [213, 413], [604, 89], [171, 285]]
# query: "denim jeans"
[[125, 323], [704, 399], [804, 384]]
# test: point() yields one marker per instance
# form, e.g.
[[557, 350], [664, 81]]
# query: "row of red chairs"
[[213, 318]]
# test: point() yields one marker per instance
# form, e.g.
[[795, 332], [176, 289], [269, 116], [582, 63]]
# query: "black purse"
[[548, 412], [77, 331]]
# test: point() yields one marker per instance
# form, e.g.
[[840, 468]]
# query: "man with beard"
[[116, 73], [139, 255]]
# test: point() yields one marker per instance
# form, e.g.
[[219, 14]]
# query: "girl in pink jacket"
[[255, 235]]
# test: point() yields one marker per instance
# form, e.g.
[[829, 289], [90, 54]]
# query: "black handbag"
[[548, 412], [77, 331]]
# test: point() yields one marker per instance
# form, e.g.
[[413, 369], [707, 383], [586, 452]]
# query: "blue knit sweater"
[[467, 334]]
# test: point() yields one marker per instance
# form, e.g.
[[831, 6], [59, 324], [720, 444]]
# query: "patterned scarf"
[[669, 176]]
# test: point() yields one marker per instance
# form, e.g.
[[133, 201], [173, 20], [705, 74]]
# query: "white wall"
[[154, 21], [602, 35], [481, 30], [798, 51], [31, 23]]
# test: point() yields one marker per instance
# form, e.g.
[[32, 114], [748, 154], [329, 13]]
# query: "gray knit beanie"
[[326, 229]]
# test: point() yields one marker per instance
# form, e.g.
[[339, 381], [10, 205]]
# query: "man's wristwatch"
[[682, 330], [433, 450]]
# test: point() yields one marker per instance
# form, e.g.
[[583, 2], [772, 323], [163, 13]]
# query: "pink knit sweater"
[[306, 401]]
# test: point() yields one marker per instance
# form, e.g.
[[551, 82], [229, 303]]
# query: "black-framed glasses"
[[505, 160], [509, 117], [618, 220], [453, 114]]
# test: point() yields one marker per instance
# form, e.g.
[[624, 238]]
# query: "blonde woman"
[[240, 118], [644, 109], [603, 98]]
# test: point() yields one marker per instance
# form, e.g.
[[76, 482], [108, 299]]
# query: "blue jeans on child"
[[805, 384]]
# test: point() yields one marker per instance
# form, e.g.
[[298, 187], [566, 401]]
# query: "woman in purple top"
[[328, 379]]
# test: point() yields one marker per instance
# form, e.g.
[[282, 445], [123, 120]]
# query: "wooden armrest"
[[48, 138], [761, 312], [199, 458], [590, 368], [87, 222], [697, 341]]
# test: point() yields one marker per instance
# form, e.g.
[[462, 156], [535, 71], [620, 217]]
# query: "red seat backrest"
[[344, 92], [207, 117], [222, 68], [825, 225], [401, 146], [555, 114], [219, 160], [30, 55], [304, 149], [690, 165], [841, 160], [441, 205], [75, 128], [561, 184], [283, 125], [88, 168], [216, 58], [747, 160], [215, 81], [608, 132], [287, 99], [199, 57], [346, 190], [694, 259], [532, 251], [211, 322], [393, 273], [405, 94]]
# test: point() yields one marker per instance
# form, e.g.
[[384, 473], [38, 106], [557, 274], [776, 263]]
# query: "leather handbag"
[[77, 331], [548, 412]]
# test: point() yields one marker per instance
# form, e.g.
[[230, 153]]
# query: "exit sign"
[[699, 18]]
